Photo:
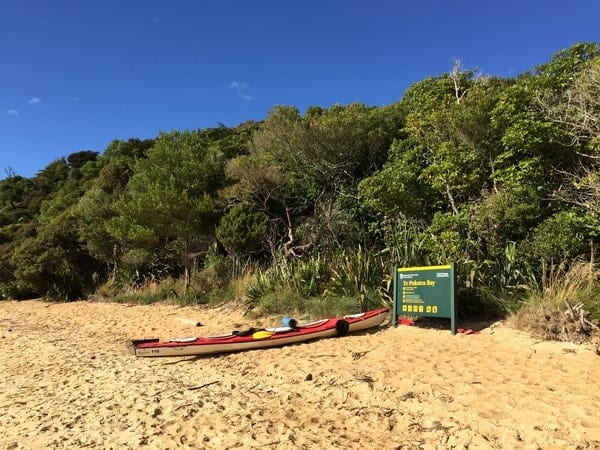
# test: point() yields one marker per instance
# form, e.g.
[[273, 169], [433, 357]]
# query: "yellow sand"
[[68, 381]]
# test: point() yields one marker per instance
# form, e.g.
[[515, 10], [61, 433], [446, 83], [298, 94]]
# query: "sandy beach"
[[68, 381]]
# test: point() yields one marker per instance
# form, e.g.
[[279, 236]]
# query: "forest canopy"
[[501, 175]]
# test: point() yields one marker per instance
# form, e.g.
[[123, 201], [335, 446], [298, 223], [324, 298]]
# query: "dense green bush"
[[311, 211], [242, 230], [565, 235]]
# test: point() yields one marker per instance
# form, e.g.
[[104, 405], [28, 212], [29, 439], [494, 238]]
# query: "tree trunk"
[[187, 278], [451, 200]]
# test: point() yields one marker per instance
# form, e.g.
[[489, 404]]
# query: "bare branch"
[[458, 75], [582, 188], [577, 108], [293, 251]]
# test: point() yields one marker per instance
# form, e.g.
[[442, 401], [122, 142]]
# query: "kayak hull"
[[277, 337]]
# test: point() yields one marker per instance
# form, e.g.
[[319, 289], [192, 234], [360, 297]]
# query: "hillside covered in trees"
[[311, 211]]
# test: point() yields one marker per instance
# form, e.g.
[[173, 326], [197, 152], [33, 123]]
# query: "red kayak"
[[261, 338]]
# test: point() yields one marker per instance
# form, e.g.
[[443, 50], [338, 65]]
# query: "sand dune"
[[68, 381]]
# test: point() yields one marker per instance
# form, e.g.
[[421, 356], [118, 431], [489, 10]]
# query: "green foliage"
[[434, 122], [114, 176], [448, 238], [93, 211], [533, 144], [336, 306], [352, 276], [403, 242], [398, 188], [564, 236], [169, 202], [131, 149], [481, 304], [288, 303], [53, 264], [498, 175], [357, 272], [150, 292], [304, 278], [13, 194], [140, 265], [565, 282], [260, 284], [215, 274], [300, 279], [303, 171], [558, 72], [504, 216], [448, 156], [169, 191], [243, 229], [79, 159], [254, 178]]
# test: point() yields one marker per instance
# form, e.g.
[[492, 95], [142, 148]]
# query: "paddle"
[[262, 334]]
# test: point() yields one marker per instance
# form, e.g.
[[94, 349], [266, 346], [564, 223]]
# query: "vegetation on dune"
[[309, 212]]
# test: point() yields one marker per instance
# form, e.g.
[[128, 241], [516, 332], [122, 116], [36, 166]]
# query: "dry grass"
[[239, 285], [559, 309], [550, 323], [561, 283]]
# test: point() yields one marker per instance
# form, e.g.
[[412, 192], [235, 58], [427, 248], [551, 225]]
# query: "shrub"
[[546, 309], [561, 236], [242, 230], [356, 273], [214, 275]]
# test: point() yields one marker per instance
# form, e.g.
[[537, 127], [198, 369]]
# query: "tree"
[[169, 203], [398, 189], [534, 147], [53, 263], [448, 151], [77, 160], [14, 191], [131, 149], [577, 109], [306, 168], [242, 230], [94, 208], [15, 226]]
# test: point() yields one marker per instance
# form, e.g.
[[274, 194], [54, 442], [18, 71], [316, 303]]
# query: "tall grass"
[[150, 291], [561, 288], [491, 288], [345, 282], [304, 278], [565, 282], [360, 274], [405, 243]]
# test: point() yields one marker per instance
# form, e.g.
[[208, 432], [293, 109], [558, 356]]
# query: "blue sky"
[[76, 74]]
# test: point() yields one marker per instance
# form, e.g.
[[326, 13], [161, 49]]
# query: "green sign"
[[425, 292]]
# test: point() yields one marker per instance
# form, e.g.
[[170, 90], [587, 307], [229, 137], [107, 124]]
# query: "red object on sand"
[[405, 321], [467, 331], [259, 338]]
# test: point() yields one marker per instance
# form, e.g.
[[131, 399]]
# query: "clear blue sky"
[[76, 74]]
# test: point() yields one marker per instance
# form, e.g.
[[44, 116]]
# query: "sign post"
[[428, 291]]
